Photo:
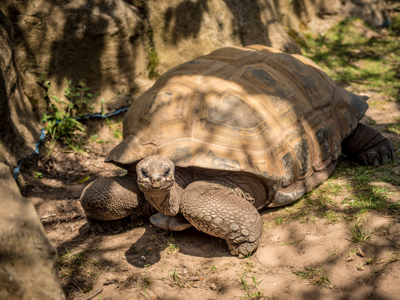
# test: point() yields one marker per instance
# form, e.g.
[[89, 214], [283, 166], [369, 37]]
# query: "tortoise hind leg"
[[110, 202], [215, 209], [368, 146]]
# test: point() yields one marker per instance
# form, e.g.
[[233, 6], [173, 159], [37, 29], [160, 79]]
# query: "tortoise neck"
[[165, 201]]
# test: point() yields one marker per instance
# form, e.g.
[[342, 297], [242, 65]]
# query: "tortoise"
[[226, 134]]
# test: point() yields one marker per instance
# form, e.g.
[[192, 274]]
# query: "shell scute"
[[252, 109]]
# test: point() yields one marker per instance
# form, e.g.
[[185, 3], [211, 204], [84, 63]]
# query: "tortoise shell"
[[253, 109]]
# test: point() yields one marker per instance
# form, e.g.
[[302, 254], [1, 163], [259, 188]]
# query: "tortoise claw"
[[381, 154], [385, 159], [375, 162], [358, 146]]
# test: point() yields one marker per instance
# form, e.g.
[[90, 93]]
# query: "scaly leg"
[[215, 208], [368, 146], [108, 202]]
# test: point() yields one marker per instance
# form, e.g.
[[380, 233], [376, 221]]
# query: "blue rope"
[[118, 111], [43, 135]]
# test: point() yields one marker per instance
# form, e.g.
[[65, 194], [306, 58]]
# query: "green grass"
[[364, 197], [331, 217], [76, 145], [251, 289], [214, 269], [393, 127], [352, 191], [358, 234], [317, 202], [361, 195], [73, 264], [391, 259], [315, 276], [60, 122], [334, 252], [370, 260], [94, 138], [171, 247], [116, 127], [350, 58], [371, 198], [154, 61]]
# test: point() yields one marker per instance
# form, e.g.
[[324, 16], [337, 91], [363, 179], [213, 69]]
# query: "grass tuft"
[[352, 58], [313, 275], [358, 234], [74, 265]]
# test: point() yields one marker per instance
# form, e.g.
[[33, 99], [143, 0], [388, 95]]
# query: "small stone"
[[143, 257]]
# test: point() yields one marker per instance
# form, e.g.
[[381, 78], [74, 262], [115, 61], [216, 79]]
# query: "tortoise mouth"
[[146, 187]]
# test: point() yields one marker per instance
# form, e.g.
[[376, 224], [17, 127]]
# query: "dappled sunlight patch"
[[315, 276], [78, 270], [344, 235], [393, 127], [366, 61]]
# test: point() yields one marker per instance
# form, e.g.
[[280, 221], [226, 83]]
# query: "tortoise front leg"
[[368, 146], [108, 202], [215, 208]]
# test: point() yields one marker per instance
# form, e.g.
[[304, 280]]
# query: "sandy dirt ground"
[[307, 250], [340, 242]]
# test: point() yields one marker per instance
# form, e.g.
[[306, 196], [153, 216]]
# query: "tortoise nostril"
[[155, 178]]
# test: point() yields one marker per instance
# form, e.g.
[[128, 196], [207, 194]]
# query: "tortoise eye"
[[145, 173], [166, 172]]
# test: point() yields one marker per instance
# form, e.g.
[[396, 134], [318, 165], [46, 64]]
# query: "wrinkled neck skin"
[[144, 208], [166, 201], [160, 184]]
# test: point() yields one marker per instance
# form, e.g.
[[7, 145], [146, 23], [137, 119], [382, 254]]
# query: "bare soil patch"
[[307, 251]]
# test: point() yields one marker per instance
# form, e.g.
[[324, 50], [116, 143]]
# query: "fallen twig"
[[92, 295]]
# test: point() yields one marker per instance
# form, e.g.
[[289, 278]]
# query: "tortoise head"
[[156, 178]]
